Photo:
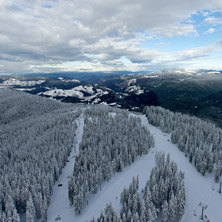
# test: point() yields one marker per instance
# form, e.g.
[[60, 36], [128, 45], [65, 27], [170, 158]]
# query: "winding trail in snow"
[[198, 188], [59, 204]]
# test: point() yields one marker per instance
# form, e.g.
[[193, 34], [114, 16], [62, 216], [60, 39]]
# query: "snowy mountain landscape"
[[98, 163], [110, 111], [196, 93]]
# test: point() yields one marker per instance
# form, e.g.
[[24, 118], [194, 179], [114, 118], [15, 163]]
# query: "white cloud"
[[205, 13], [180, 30], [196, 52], [213, 21], [160, 43], [42, 33], [211, 30]]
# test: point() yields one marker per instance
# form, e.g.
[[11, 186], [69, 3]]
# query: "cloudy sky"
[[109, 35]]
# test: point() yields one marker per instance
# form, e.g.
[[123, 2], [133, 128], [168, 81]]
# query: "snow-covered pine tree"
[[35, 143], [109, 143], [199, 140], [30, 210]]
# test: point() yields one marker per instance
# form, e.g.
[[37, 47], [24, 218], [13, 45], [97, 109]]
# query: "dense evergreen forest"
[[111, 141], [200, 141], [36, 136], [162, 199]]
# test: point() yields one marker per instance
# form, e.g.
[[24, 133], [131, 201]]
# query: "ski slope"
[[198, 188], [59, 205]]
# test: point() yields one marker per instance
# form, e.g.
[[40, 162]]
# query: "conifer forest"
[[119, 166]]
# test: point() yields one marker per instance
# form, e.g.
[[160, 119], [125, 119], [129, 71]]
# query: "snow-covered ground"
[[15, 82], [64, 93], [198, 188], [78, 92], [68, 80], [59, 201], [24, 89], [134, 88]]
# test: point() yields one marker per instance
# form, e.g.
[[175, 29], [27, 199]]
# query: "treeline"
[[200, 141], [111, 141], [33, 151], [162, 199], [27, 106]]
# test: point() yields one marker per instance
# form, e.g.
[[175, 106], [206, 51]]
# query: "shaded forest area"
[[36, 136]]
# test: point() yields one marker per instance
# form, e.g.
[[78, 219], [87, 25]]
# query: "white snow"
[[25, 89], [151, 76], [3, 87], [112, 104], [77, 92], [112, 114], [88, 89], [64, 93], [97, 100], [68, 80], [99, 90], [131, 81], [132, 88], [59, 201], [104, 103], [136, 89], [14, 82], [141, 91], [99, 93], [198, 188]]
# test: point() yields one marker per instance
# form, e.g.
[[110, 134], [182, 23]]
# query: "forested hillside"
[[36, 136], [200, 141], [111, 141], [162, 199]]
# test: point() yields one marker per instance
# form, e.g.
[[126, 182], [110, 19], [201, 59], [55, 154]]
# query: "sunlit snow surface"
[[15, 82], [77, 91], [59, 201], [198, 188]]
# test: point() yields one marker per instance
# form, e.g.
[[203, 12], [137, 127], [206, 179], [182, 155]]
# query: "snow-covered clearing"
[[198, 188], [59, 201]]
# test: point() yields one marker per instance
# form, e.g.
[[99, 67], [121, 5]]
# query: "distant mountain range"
[[195, 93]]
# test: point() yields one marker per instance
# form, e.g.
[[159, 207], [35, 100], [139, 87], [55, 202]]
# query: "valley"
[[197, 93]]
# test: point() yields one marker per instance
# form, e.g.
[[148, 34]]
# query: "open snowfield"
[[198, 188]]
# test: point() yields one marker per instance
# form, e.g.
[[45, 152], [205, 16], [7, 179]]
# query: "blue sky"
[[98, 35]]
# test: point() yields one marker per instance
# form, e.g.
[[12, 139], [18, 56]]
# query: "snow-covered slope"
[[16, 82], [61, 92], [78, 91], [59, 205], [136, 89], [68, 80], [198, 188]]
